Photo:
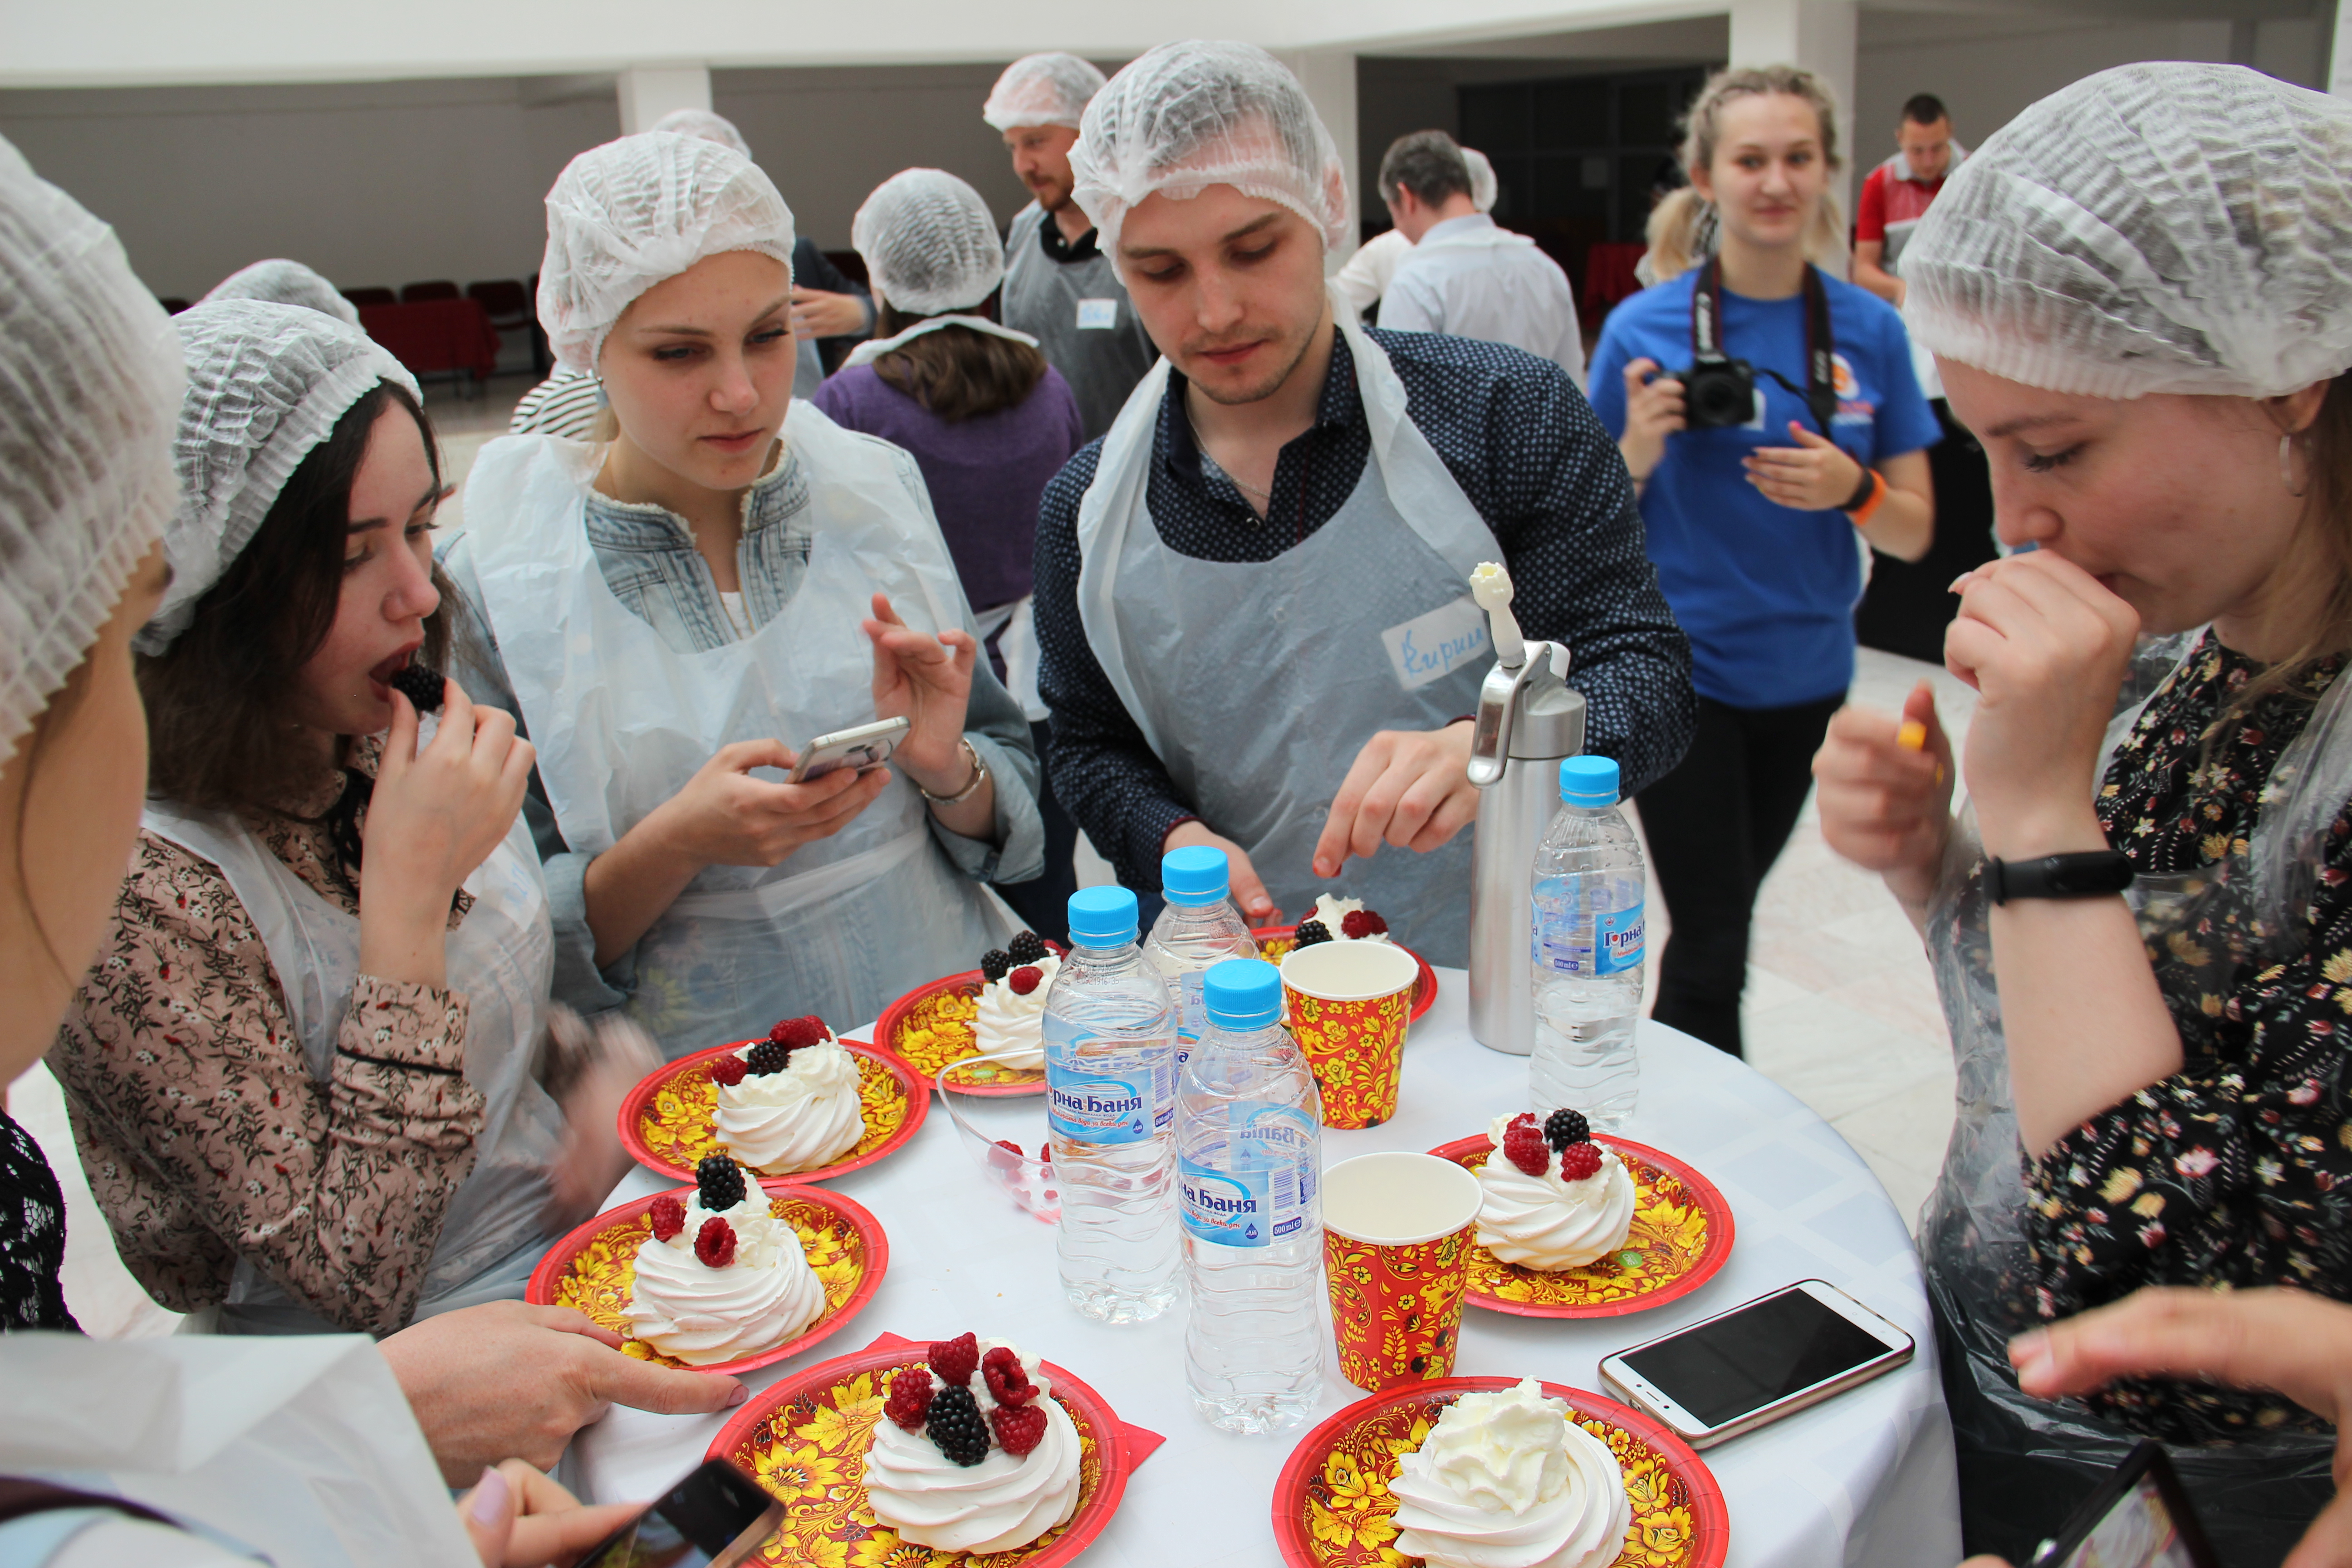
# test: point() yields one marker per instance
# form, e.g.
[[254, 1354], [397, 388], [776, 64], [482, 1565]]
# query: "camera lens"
[[1721, 400]]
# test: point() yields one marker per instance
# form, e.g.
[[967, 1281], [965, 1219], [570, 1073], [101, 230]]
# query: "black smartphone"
[[2139, 1518], [715, 1518]]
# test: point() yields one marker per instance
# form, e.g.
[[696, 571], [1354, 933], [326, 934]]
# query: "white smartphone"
[[867, 746], [1749, 1366]]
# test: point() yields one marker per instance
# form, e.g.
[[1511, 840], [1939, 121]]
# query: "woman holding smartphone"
[[673, 610], [1756, 503], [2137, 299]]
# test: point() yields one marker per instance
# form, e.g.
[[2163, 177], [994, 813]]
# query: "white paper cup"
[[1398, 1198]]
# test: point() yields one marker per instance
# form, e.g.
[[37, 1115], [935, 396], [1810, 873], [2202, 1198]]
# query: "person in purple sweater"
[[987, 420]]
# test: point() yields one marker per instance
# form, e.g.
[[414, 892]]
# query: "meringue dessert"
[[1010, 1028], [1552, 1198], [788, 1103], [973, 1454], [1339, 920], [721, 1276], [1505, 1480]]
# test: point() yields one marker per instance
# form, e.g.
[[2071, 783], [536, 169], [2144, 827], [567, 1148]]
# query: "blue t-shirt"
[[1766, 593]]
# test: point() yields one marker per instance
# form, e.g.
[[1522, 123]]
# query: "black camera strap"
[[1820, 390]]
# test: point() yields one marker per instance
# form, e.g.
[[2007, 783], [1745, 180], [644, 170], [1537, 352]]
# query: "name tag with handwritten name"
[[1434, 645], [1098, 315]]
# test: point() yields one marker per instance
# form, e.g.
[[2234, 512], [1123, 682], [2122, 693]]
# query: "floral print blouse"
[[2236, 1171], [205, 1135]]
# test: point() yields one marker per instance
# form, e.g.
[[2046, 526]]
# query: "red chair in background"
[[419, 293], [363, 298], [435, 337], [1608, 278]]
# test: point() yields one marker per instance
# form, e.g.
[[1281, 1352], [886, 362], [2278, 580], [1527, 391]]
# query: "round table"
[[1865, 1478]]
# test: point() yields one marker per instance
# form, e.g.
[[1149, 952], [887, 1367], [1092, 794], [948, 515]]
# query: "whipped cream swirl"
[[796, 1120], [1334, 912], [1010, 1028], [1546, 1222], [692, 1312], [1506, 1480], [1002, 1502]]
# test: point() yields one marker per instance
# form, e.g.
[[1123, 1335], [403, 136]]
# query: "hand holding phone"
[[2139, 1518], [865, 748], [715, 1518]]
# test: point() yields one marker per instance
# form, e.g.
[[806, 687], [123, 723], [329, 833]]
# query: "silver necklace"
[[1231, 478]]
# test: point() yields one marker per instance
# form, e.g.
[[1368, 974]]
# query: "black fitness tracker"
[[2092, 874], [1862, 491]]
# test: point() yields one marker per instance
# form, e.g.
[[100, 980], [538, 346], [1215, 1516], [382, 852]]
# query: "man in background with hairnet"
[[1251, 595], [1059, 288]]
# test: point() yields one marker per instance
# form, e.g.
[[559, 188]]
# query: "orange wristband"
[[1861, 515]]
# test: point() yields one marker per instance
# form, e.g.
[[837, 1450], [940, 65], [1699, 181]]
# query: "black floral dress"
[[2236, 1171], [32, 1236]]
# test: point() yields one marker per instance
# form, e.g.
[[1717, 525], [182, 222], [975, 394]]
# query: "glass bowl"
[[997, 1132]]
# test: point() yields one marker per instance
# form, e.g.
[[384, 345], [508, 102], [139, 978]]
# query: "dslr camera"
[[1718, 393]]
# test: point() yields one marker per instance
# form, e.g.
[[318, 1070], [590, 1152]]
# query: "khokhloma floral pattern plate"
[[666, 1120]]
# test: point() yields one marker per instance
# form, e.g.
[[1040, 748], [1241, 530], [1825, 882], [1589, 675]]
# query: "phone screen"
[[2138, 1531], [653, 1541], [704, 1519], [1754, 1357]]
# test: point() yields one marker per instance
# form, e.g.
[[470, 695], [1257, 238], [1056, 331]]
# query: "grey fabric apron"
[[1081, 317]]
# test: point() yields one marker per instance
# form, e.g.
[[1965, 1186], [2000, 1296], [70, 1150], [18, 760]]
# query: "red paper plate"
[[1682, 1234], [805, 1437], [593, 1268], [666, 1119], [1332, 1508], [1274, 942], [931, 1026]]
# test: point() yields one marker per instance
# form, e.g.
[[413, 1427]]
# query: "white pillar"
[[1330, 78], [1815, 34], [2339, 59], [648, 92]]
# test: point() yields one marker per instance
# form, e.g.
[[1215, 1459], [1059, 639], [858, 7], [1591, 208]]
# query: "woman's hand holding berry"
[[1885, 793], [1653, 410]]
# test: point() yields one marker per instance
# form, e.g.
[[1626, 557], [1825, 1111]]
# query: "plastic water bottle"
[[1110, 1105], [1587, 887], [1197, 930], [1249, 1169]]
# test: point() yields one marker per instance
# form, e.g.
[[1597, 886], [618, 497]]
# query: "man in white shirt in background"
[[1464, 274], [1366, 276]]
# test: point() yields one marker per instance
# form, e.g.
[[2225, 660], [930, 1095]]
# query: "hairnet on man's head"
[[930, 243], [89, 381], [266, 384], [2155, 228], [1187, 116], [633, 212], [1041, 89], [286, 283], [703, 123], [1483, 189]]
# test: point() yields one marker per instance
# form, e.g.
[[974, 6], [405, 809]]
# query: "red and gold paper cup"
[[1397, 1233], [1348, 1003]]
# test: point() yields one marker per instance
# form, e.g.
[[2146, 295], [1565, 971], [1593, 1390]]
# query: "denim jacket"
[[647, 556]]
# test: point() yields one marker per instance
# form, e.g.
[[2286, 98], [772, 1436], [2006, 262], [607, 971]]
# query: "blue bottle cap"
[[1102, 917], [1243, 994], [1589, 781], [1196, 874]]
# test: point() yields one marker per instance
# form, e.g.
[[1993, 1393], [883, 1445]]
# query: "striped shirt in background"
[[566, 404]]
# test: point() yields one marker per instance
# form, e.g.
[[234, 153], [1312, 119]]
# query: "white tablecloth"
[[1865, 1478]]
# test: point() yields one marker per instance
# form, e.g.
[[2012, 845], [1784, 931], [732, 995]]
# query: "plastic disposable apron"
[[845, 925], [1971, 1239], [501, 957], [1256, 683], [1081, 317]]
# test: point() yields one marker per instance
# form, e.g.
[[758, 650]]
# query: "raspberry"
[[956, 1359], [910, 1397], [1524, 1147], [1006, 1155], [995, 965], [719, 1181], [1361, 923], [715, 1243], [1019, 1427], [728, 1069], [420, 684], [1044, 1153], [1008, 1381], [1026, 947], [768, 1057], [668, 1216], [1564, 1127], [956, 1427], [796, 1033], [1579, 1160], [1523, 1119], [1308, 933], [1024, 978]]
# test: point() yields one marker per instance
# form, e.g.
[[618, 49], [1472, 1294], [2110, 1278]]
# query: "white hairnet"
[[1187, 116], [285, 283], [1041, 89], [266, 384], [89, 379], [930, 243], [1483, 188], [626, 215], [2176, 229], [703, 123]]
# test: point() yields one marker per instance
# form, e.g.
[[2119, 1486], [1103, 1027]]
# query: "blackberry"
[[1308, 933], [420, 684], [1026, 947], [955, 1425], [767, 1056], [995, 965], [720, 1182], [1564, 1127]]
